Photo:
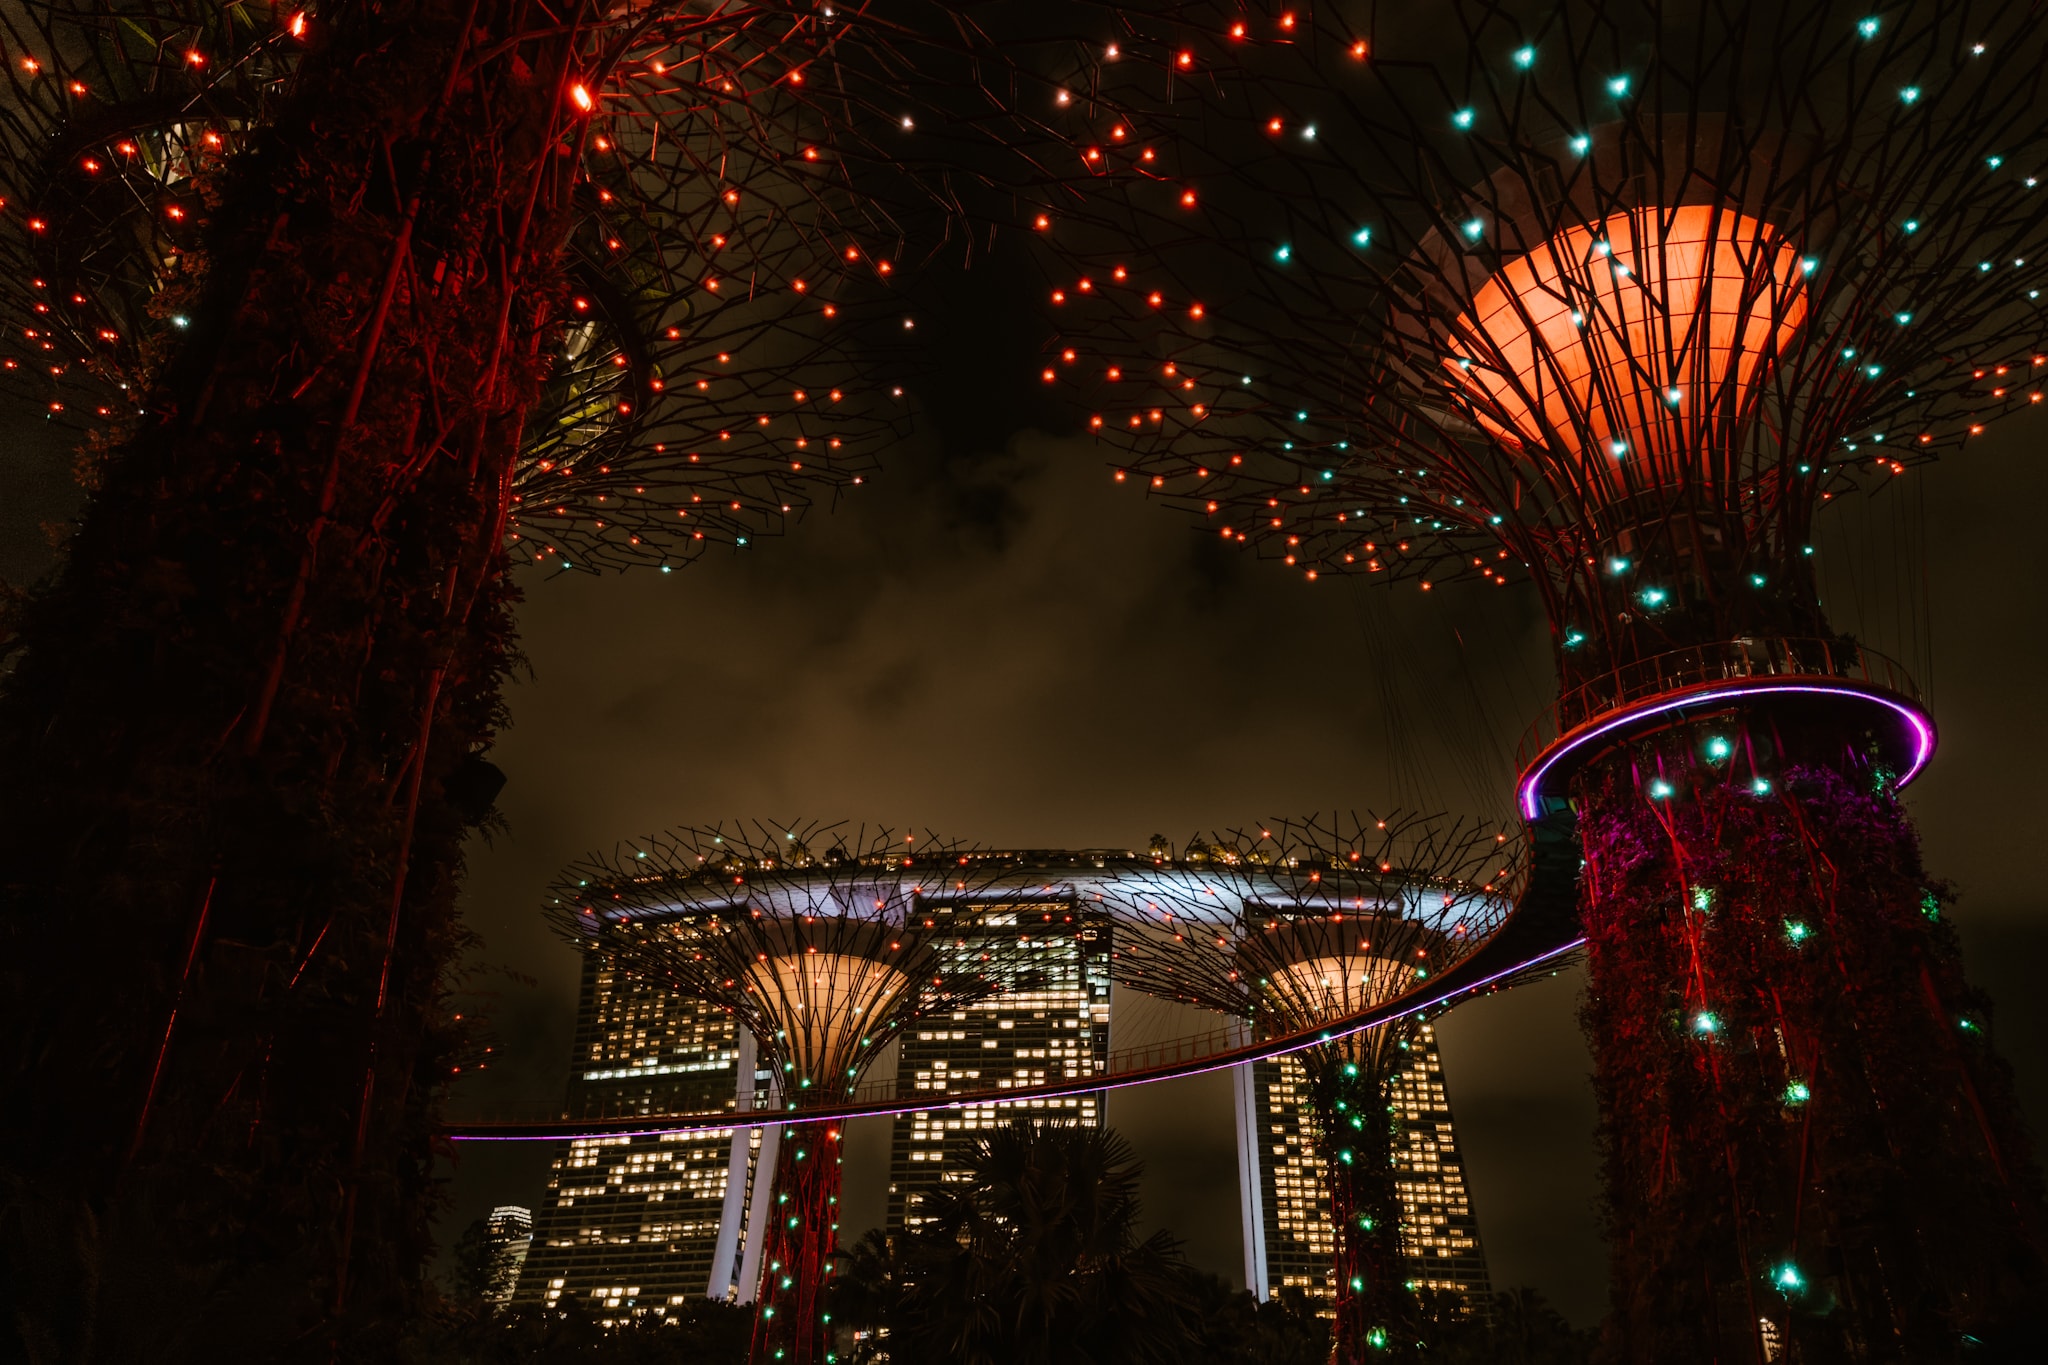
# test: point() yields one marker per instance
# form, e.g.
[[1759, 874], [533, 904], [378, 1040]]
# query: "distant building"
[[637, 1224], [508, 1232], [1287, 1236], [1051, 1023]]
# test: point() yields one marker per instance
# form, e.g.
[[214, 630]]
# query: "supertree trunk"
[[1808, 1143], [1354, 1131], [242, 727], [794, 1322]]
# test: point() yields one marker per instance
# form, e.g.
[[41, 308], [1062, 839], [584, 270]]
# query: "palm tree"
[[1037, 1258]]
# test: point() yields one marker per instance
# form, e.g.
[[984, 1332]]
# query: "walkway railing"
[[1679, 669]]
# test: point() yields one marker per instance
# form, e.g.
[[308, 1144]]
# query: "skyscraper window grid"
[[631, 1225], [1055, 1027], [1439, 1235]]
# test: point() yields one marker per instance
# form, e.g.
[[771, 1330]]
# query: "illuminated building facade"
[[1288, 1240], [1052, 1023], [509, 1233], [634, 1225]]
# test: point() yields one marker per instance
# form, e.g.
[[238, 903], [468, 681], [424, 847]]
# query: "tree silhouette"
[[1037, 1257]]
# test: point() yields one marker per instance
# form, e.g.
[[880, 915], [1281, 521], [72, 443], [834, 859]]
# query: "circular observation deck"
[[1789, 677]]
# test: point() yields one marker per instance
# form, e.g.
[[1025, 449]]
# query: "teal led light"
[[1910, 95], [1283, 254], [1904, 318], [1474, 227], [1797, 1093], [1617, 565], [1796, 931], [1463, 118], [1761, 786], [1362, 237], [1757, 580], [1581, 143], [1660, 789], [1706, 1022], [1574, 638], [1328, 475], [1719, 748], [1787, 1276], [1618, 86], [1867, 27], [1654, 597]]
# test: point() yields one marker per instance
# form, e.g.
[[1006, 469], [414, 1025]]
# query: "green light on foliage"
[[1706, 1022], [1796, 931], [1377, 1338], [1797, 1093], [1357, 1284], [1930, 907], [1788, 1278], [1703, 899]]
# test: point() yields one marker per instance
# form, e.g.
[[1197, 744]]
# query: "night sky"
[[995, 641]]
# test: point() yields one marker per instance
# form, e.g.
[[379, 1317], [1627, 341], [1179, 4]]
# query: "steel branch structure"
[[1616, 295], [362, 304], [728, 349], [1294, 925], [824, 942]]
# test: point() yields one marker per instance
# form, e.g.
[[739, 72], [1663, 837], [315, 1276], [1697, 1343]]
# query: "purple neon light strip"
[[1923, 728], [768, 1118]]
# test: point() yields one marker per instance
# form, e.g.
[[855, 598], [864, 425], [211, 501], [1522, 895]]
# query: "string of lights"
[[1296, 923], [1613, 300]]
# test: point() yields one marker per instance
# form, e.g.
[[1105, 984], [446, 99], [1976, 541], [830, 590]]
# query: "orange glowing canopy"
[[1628, 348]]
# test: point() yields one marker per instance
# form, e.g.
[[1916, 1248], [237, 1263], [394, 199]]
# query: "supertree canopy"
[[1613, 296], [824, 941], [361, 305], [1297, 924]]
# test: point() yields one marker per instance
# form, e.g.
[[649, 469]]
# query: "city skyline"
[[637, 1224]]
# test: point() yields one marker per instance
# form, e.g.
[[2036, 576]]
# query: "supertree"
[[362, 307], [1296, 924], [823, 941], [1611, 297]]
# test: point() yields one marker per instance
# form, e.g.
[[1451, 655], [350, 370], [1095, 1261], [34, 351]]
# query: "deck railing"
[[1678, 669]]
